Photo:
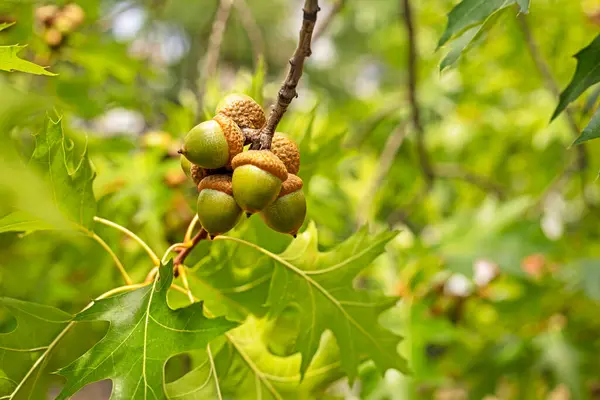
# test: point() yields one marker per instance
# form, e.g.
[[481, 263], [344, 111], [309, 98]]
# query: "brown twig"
[[542, 66], [288, 92], [386, 160], [214, 47], [428, 172], [328, 19], [252, 29], [450, 171], [180, 258]]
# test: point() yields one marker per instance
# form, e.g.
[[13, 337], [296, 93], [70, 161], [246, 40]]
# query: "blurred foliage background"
[[497, 260]]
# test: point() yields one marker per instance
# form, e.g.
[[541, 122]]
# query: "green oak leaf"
[[465, 41], [469, 13], [68, 175], [247, 369], [591, 131], [20, 221], [144, 333], [10, 61], [587, 73], [524, 5], [22, 349], [233, 279], [5, 25], [319, 285]]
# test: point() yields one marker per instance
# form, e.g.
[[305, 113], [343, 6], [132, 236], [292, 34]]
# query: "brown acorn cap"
[[233, 135], [198, 173], [246, 112], [292, 184], [264, 160], [287, 151], [222, 183]]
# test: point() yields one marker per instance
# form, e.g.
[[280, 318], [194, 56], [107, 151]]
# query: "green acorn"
[[257, 179], [242, 109], [217, 210], [287, 213], [186, 166], [213, 144]]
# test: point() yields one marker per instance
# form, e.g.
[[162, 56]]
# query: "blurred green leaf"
[[591, 131], [69, 175], [586, 74], [468, 13], [36, 327], [20, 221], [143, 334], [5, 25], [9, 61]]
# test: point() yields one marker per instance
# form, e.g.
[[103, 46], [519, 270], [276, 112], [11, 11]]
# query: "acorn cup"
[[243, 110], [287, 213], [218, 211], [213, 144], [287, 151], [257, 179]]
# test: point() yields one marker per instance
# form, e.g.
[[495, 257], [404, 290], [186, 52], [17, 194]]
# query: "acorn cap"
[[233, 135], [287, 151], [292, 184], [262, 159], [197, 173], [242, 109], [222, 183]]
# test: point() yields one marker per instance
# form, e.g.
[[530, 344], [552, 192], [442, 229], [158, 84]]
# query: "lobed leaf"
[[68, 175], [319, 285], [591, 131], [36, 327], [10, 61], [144, 333]]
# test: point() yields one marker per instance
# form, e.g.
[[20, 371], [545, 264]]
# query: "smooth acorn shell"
[[287, 213], [206, 146], [217, 211], [254, 188], [186, 166]]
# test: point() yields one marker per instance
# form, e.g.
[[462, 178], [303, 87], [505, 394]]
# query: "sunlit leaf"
[[320, 285], [586, 74], [246, 369], [10, 61], [20, 221], [68, 175], [144, 333]]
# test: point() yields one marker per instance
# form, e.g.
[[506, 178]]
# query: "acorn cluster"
[[58, 22], [232, 180]]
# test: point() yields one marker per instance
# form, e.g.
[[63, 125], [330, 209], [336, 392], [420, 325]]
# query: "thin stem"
[[252, 29], [322, 27], [428, 172], [288, 92], [390, 150], [542, 66], [214, 369], [118, 263], [151, 275], [172, 249], [190, 229], [180, 259], [62, 334], [186, 284], [214, 47], [450, 171], [153, 256]]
